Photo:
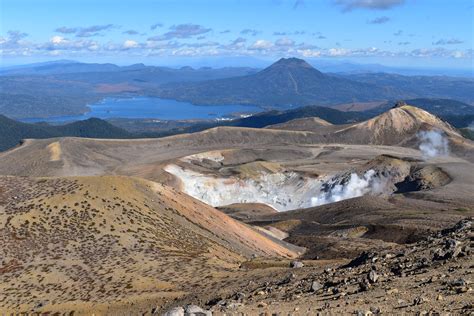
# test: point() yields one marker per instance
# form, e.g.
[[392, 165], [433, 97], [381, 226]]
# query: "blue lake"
[[152, 108]]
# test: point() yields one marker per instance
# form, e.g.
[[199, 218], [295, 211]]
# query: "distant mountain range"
[[348, 67], [288, 81], [411, 87], [294, 81], [441, 107], [62, 67], [327, 65], [67, 87]]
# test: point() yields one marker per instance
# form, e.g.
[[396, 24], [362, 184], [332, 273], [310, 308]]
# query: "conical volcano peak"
[[291, 62], [299, 69], [402, 120]]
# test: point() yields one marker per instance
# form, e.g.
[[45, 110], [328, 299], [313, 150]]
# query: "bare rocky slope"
[[432, 276], [111, 226], [84, 243], [303, 124]]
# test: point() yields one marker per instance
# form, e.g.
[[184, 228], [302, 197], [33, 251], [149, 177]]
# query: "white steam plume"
[[369, 183], [433, 143], [282, 191]]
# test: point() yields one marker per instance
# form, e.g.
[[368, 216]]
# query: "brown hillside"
[[72, 243]]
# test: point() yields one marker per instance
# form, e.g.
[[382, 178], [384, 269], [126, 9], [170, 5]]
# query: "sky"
[[412, 33]]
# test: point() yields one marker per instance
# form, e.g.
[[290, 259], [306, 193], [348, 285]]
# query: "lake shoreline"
[[144, 107]]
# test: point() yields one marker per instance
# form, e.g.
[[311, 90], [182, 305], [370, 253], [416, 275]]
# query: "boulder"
[[296, 264], [316, 286], [194, 310], [175, 311]]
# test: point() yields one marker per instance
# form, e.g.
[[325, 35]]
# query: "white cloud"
[[57, 39], [458, 54], [261, 45], [310, 52], [181, 31], [250, 32], [130, 44], [155, 26], [452, 41], [285, 41], [87, 31], [15, 43], [338, 52], [349, 5]]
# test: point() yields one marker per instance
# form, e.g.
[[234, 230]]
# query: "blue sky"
[[429, 33]]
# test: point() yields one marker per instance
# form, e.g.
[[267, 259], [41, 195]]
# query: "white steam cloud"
[[433, 143], [282, 191], [369, 183]]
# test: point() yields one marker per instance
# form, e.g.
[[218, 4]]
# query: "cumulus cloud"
[[128, 44], [203, 44], [338, 52], [66, 30], [195, 51], [224, 31], [16, 35], [461, 54], [398, 33], [181, 31], [57, 39], [349, 5], [289, 33], [304, 45], [379, 20], [250, 32], [285, 41], [261, 45], [130, 32], [309, 52], [452, 41], [376, 52], [94, 30], [88, 31], [239, 40], [155, 26], [14, 43], [58, 43], [237, 44], [440, 52], [14, 40], [163, 46]]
